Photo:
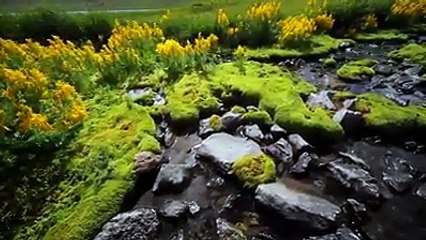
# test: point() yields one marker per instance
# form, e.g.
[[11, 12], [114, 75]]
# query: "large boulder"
[[224, 149], [140, 224], [311, 212], [172, 178]]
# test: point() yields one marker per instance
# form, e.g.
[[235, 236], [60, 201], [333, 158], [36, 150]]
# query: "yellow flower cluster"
[[369, 22], [240, 52], [411, 9], [222, 18], [295, 28], [31, 79], [123, 35], [324, 21], [29, 120], [232, 31], [172, 49], [264, 11]]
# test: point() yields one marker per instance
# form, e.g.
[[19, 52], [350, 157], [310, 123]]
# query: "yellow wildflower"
[[295, 28], [29, 120], [324, 21], [64, 90], [222, 18], [240, 51], [369, 22], [233, 31], [264, 11], [170, 48], [77, 113]]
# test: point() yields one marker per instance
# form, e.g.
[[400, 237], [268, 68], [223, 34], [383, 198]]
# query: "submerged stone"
[[140, 224], [309, 212], [224, 149]]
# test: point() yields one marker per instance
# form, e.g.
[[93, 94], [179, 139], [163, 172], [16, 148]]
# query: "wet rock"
[[193, 207], [350, 121], [343, 233], [169, 138], [140, 224], [223, 149], [300, 167], [205, 128], [397, 174], [397, 99], [173, 209], [216, 182], [349, 104], [280, 151], [277, 131], [415, 70], [320, 99], [226, 230], [299, 144], [310, 212], [383, 69], [354, 159], [410, 146], [363, 185], [253, 132], [179, 235], [231, 120], [355, 209], [172, 178], [421, 191], [146, 162]]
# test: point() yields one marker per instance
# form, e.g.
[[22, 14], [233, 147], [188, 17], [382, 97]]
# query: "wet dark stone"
[[146, 162], [383, 69], [223, 149], [301, 166], [172, 178], [397, 174], [179, 235], [140, 224], [193, 208], [351, 176], [231, 120], [354, 159], [397, 99], [204, 128], [280, 151], [421, 191], [169, 138], [228, 231], [277, 131], [349, 104], [343, 233], [309, 212], [350, 121], [216, 182], [410, 146], [320, 99], [253, 132], [173, 209], [299, 144], [415, 70], [355, 209]]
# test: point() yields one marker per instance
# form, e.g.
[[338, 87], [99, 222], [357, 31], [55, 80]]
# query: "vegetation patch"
[[415, 53], [357, 70], [98, 175], [261, 118], [253, 170], [381, 36]]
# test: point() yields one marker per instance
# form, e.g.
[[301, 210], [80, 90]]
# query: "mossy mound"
[[280, 94], [238, 109], [215, 123], [99, 173], [318, 45], [330, 62], [415, 53], [190, 97], [253, 170], [381, 36], [386, 118], [261, 118], [357, 70]]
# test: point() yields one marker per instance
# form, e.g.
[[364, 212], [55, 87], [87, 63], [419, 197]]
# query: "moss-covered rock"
[[238, 109], [253, 170], [261, 118], [190, 97], [385, 117], [330, 62], [99, 173], [357, 70], [381, 36], [415, 53], [319, 45], [276, 92], [215, 123]]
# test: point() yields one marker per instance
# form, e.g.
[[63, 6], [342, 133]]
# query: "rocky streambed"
[[364, 187]]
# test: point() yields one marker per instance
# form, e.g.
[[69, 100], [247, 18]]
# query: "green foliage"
[[415, 53], [381, 36], [330, 62], [253, 170], [98, 172], [215, 123], [238, 109], [356, 70], [385, 117], [261, 118]]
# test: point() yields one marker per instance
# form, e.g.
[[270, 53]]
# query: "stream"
[[361, 189]]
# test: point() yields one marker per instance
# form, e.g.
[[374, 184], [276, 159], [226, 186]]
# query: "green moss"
[[238, 109], [385, 117], [253, 170], [340, 96], [99, 173], [354, 72], [189, 97], [380, 36], [258, 117], [215, 123], [364, 62], [319, 45], [415, 53], [330, 62], [273, 88]]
